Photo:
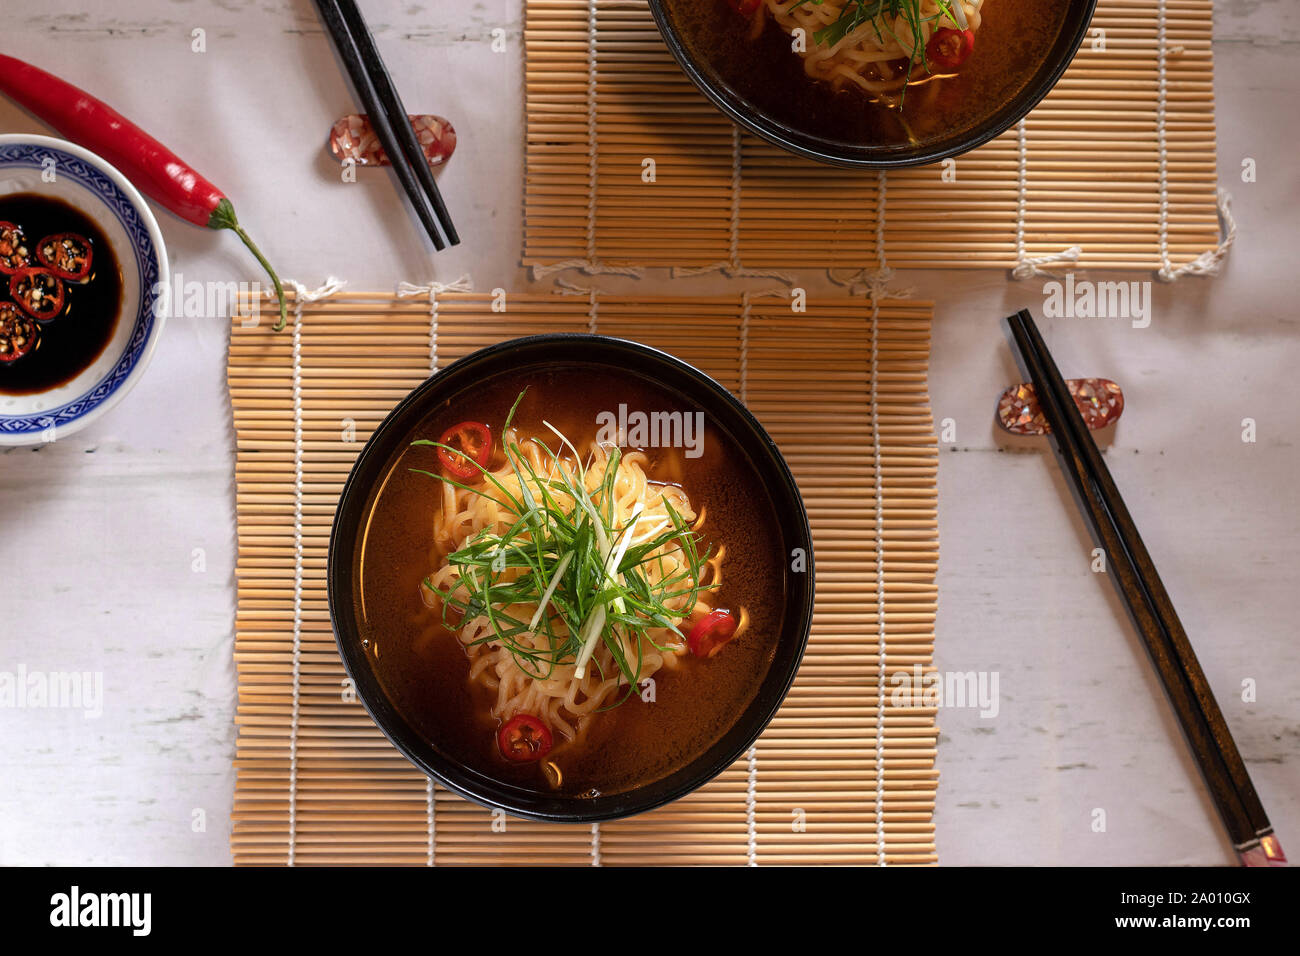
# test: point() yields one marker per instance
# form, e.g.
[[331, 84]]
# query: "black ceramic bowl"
[[630, 359], [797, 134]]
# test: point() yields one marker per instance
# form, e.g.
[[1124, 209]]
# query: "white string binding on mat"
[[1208, 262], [593, 166], [590, 265], [751, 788], [751, 806], [406, 290], [874, 283], [880, 585], [301, 298], [564, 287], [586, 266], [732, 267], [879, 279], [746, 307], [1029, 266], [429, 813]]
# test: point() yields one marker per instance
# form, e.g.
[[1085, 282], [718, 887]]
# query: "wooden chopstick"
[[1149, 604], [378, 97]]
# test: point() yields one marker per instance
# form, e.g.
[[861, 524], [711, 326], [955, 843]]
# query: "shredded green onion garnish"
[[564, 551]]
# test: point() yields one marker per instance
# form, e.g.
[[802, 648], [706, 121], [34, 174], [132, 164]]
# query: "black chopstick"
[[1149, 604], [378, 97], [400, 122]]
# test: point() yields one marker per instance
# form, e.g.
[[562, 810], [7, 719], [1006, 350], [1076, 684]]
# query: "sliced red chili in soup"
[[745, 8], [18, 333], [39, 292], [524, 739], [473, 444], [711, 632], [15, 253], [948, 49], [67, 255]]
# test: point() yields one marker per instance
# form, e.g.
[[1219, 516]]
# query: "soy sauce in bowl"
[[71, 341]]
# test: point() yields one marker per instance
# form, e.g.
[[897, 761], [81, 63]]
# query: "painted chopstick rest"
[[352, 138], [1099, 400]]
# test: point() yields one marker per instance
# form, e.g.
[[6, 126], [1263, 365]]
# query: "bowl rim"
[[997, 124], [153, 307], [623, 804]]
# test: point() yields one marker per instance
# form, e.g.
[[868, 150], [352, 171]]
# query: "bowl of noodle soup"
[[571, 577], [874, 83]]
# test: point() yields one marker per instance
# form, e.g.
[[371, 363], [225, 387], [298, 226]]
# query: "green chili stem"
[[223, 217]]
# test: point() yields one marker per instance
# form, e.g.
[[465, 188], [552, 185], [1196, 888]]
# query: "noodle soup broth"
[[424, 667], [819, 96]]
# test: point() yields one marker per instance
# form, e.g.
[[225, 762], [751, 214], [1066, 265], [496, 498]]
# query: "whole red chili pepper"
[[151, 166]]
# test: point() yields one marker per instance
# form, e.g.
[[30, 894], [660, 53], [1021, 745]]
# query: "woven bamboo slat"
[[843, 774], [1119, 160]]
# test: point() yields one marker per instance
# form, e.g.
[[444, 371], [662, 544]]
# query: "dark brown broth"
[[71, 343], [1013, 41], [424, 668]]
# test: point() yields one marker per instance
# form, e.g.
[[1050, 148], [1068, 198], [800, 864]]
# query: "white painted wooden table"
[[117, 543]]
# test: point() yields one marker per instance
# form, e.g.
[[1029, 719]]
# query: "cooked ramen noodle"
[[847, 43], [563, 667]]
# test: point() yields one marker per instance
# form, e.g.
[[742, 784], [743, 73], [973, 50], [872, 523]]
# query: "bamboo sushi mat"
[[1114, 169], [834, 779]]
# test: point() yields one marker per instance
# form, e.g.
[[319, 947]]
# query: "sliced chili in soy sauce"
[[39, 292], [71, 341], [15, 252], [18, 333], [68, 255]]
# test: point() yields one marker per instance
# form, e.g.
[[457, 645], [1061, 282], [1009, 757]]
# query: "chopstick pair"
[[1152, 611], [378, 96]]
